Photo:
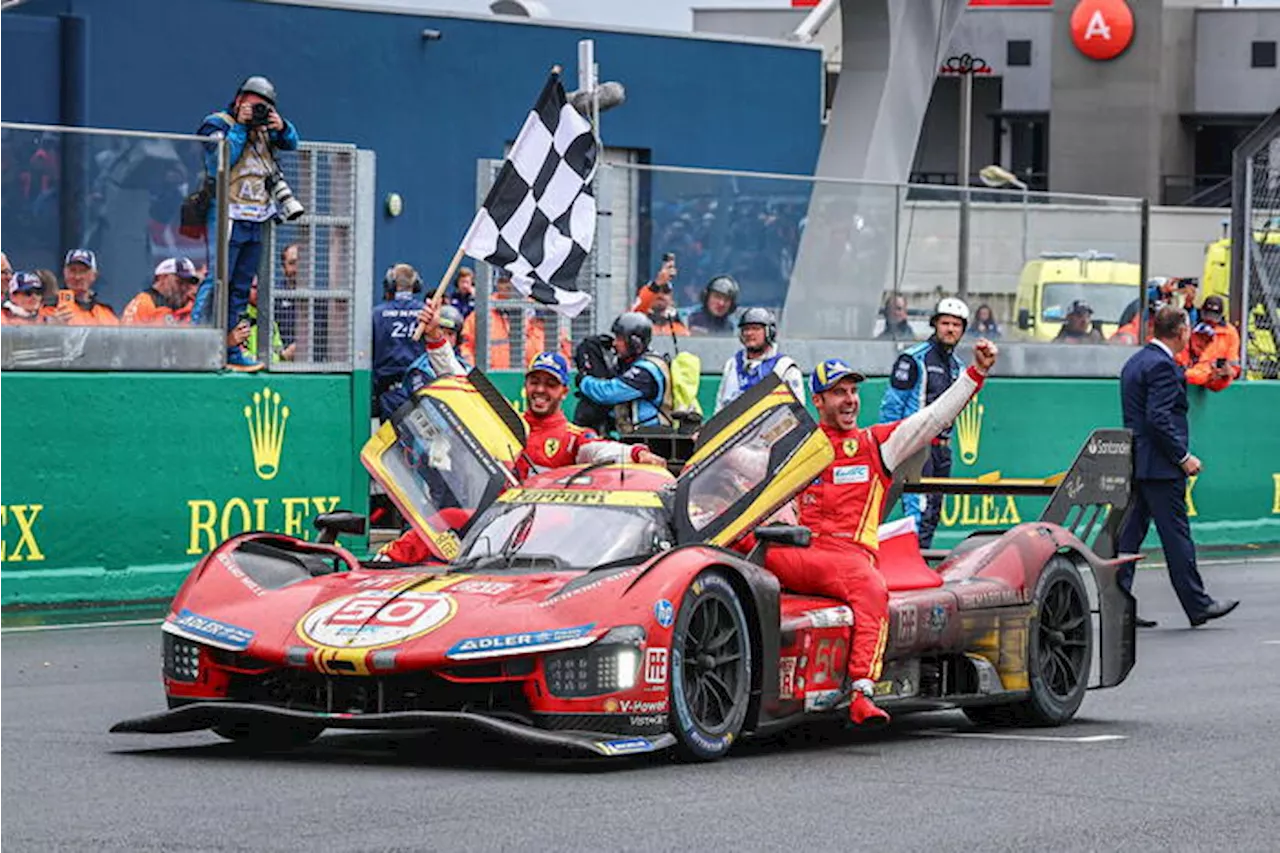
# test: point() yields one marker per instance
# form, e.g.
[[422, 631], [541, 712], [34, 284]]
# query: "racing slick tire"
[[1059, 653], [268, 734], [710, 668]]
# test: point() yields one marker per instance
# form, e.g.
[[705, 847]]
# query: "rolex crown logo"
[[969, 431], [266, 419]]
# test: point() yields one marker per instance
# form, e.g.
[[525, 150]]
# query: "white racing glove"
[[865, 686]]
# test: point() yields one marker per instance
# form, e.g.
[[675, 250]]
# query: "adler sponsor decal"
[[223, 635], [501, 644]]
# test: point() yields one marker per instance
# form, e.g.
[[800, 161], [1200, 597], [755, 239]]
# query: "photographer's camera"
[[261, 116], [288, 208]]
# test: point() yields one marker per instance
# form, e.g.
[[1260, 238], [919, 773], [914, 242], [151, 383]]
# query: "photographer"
[[254, 131]]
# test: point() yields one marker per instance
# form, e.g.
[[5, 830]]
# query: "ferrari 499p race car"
[[598, 610]]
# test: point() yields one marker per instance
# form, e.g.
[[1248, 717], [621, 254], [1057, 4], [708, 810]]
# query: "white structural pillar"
[[890, 53]]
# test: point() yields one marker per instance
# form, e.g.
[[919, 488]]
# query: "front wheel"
[[710, 668], [1059, 653]]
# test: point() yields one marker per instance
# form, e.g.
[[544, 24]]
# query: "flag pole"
[[438, 296]]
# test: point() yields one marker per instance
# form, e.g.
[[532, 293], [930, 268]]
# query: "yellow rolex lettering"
[[246, 521], [324, 505], [1010, 514], [26, 515], [1275, 499], [1191, 504], [4, 522], [950, 510], [203, 516], [295, 513], [260, 513], [989, 514], [968, 518]]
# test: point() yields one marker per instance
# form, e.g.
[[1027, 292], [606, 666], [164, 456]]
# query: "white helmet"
[[950, 306]]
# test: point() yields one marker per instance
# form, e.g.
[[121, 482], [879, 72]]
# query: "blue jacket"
[[218, 126], [1153, 396], [921, 373], [641, 383], [394, 349]]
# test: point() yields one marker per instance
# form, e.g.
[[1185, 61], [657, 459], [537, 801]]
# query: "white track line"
[[1034, 738], [123, 623]]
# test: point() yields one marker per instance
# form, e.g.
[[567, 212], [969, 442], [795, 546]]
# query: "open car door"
[[445, 455], [751, 458]]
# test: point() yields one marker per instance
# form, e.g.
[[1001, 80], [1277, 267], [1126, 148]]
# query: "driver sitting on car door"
[[553, 442], [842, 508]]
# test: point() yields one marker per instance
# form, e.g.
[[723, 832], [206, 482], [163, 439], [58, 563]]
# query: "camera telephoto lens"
[[261, 114]]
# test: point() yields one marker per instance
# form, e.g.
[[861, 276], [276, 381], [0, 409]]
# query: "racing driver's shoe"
[[862, 711]]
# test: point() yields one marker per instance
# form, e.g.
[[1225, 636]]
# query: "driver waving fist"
[[843, 508]]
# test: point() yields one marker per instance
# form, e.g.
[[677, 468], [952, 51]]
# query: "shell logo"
[[1102, 29]]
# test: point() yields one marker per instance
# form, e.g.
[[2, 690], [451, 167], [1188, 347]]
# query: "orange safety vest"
[[500, 339], [95, 314]]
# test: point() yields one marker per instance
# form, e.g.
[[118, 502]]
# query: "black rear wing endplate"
[[1090, 499]]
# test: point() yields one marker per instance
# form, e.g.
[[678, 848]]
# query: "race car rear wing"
[[1090, 499]]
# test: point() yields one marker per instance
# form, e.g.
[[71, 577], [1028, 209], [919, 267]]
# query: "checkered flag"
[[539, 219]]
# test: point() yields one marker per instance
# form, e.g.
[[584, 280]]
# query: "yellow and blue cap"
[[829, 372], [551, 362]]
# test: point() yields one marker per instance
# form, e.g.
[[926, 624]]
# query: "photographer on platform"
[[254, 131]]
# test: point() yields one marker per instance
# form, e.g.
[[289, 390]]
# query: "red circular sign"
[[1102, 29]]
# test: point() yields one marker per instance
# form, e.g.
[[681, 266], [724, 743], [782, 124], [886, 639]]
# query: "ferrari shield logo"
[[551, 447], [850, 446]]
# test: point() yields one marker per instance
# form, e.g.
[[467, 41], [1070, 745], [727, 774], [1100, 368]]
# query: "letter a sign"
[[1102, 29]]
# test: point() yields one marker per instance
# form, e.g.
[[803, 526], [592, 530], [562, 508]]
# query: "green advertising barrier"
[[114, 485], [1035, 427]]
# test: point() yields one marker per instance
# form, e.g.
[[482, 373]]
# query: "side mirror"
[[794, 535], [1024, 319], [330, 524]]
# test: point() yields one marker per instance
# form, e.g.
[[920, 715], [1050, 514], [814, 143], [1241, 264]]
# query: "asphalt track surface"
[[1184, 756]]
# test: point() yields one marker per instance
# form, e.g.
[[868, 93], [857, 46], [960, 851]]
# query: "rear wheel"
[[710, 668], [1059, 653], [268, 734]]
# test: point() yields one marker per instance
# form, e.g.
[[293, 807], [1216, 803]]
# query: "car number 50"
[[358, 611]]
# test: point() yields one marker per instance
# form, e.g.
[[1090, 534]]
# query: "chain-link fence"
[[1255, 247], [310, 264], [838, 259]]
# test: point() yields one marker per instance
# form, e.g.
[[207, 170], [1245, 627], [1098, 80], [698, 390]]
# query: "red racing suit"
[[553, 442], [842, 508]]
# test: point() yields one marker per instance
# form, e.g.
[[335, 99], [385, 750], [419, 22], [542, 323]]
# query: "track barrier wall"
[[114, 485]]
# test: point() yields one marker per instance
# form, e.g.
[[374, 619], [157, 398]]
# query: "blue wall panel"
[[30, 69], [430, 109]]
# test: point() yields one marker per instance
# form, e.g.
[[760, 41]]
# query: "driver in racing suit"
[[553, 441], [842, 508]]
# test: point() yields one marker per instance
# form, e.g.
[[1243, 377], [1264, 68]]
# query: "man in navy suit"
[[1153, 395]]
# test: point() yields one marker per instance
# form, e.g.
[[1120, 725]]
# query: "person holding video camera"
[[257, 191]]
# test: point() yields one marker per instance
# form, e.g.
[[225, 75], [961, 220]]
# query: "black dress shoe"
[[1144, 623], [1216, 610]]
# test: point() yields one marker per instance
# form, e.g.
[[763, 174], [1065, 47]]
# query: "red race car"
[[597, 609]]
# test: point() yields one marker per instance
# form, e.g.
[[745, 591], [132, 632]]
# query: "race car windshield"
[[1108, 301], [552, 535], [436, 469]]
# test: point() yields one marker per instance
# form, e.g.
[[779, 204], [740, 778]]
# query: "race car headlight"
[[607, 666], [181, 659]]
